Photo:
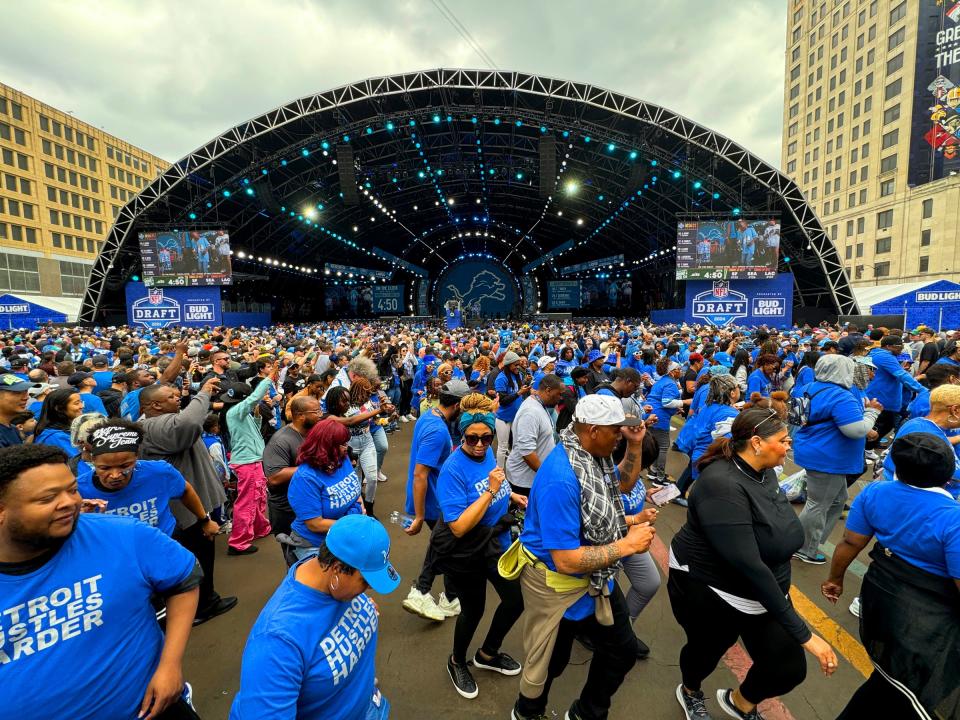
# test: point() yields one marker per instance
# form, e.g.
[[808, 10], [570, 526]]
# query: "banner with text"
[[563, 295], [158, 308], [388, 299], [741, 302]]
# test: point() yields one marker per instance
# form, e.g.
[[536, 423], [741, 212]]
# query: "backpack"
[[798, 410]]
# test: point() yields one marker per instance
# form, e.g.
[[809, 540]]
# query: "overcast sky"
[[170, 75]]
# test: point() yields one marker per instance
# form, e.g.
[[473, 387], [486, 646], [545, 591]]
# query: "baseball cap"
[[362, 542], [718, 370], [120, 376], [923, 455], [864, 360], [695, 357], [455, 388], [12, 383], [602, 410], [922, 329], [891, 340], [544, 361], [99, 360], [234, 393], [429, 359], [723, 358], [510, 358], [829, 344], [78, 377], [17, 361], [593, 355], [904, 357], [38, 389]]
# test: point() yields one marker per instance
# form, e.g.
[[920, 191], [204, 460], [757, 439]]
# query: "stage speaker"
[[347, 174], [264, 190], [638, 176], [548, 165]]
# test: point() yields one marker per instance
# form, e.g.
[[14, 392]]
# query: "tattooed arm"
[[631, 464], [587, 558]]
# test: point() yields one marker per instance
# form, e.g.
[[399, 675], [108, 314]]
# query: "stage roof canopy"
[[410, 172]]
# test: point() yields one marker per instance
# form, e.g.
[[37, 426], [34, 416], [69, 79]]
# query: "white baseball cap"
[[544, 361], [602, 410]]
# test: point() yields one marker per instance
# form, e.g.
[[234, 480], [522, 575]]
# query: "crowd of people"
[[537, 465]]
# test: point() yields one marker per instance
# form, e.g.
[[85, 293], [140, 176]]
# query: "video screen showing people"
[[348, 301], [737, 249], [606, 293], [191, 258]]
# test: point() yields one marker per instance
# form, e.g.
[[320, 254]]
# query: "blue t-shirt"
[[707, 420], [926, 536], [664, 390], [804, 377], [914, 425], [819, 445], [634, 501], [146, 497], [430, 446], [87, 609], [313, 493], [757, 381], [552, 521], [509, 384], [57, 438], [104, 380], [481, 384], [130, 405], [35, 407], [91, 403], [462, 480], [699, 399], [308, 655]]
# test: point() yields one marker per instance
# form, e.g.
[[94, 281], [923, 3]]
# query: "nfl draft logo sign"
[[156, 311], [720, 305]]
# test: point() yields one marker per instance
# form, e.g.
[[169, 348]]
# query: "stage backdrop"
[[741, 302], [478, 281], [169, 307]]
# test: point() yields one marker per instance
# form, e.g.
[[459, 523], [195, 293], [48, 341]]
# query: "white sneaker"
[[381, 477], [403, 419], [411, 418], [423, 604], [871, 456], [855, 607], [449, 608]]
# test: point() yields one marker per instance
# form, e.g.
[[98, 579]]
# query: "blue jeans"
[[381, 443], [367, 463]]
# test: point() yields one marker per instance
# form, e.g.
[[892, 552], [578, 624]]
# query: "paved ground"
[[412, 652]]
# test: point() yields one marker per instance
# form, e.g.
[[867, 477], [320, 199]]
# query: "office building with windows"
[[62, 182], [871, 127]]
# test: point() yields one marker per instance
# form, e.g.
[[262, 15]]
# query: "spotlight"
[[572, 186]]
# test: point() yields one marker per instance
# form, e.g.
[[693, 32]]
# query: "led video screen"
[[185, 258], [728, 249]]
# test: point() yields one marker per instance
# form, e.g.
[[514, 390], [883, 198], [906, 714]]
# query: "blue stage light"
[[249, 191], [611, 147], [436, 118], [566, 133], [193, 216], [304, 152], [496, 121], [390, 126], [473, 120], [586, 139], [492, 171], [346, 138], [263, 171], [633, 154], [226, 193], [736, 211], [518, 123], [209, 204], [449, 118], [676, 174], [421, 174], [369, 131], [519, 176], [325, 145], [543, 128], [135, 278], [246, 181], [697, 185], [283, 162], [600, 198], [716, 196], [653, 163], [412, 123]]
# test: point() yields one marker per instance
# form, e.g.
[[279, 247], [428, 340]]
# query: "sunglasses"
[[484, 440]]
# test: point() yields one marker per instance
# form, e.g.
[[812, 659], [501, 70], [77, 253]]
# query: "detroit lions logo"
[[485, 285]]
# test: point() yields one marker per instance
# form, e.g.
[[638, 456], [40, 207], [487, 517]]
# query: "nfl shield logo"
[[721, 289], [154, 296]]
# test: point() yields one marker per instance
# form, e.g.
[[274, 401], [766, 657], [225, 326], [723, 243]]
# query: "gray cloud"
[[169, 76]]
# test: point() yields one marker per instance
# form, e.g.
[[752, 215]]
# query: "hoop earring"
[[333, 588]]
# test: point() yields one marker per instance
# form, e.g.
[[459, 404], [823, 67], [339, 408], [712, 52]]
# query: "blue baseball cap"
[[723, 358], [593, 355], [12, 383], [362, 542], [429, 359]]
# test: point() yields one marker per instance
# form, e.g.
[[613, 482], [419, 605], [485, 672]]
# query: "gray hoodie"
[[839, 370]]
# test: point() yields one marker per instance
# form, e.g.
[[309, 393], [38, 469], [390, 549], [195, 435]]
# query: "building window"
[[888, 164], [881, 269], [894, 64], [898, 13], [892, 90], [848, 252], [884, 219], [928, 208], [883, 245], [896, 39], [19, 273], [859, 249], [860, 225], [891, 114], [924, 238], [924, 263], [858, 272], [73, 276], [890, 139]]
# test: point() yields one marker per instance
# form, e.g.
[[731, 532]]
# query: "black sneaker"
[[462, 680], [643, 651], [248, 551], [517, 715], [572, 713], [219, 606], [501, 663], [726, 704], [694, 705]]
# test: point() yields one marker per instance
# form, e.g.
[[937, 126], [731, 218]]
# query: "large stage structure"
[[413, 174]]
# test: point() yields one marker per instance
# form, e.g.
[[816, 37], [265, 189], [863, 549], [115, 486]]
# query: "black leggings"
[[886, 421], [712, 626], [428, 573], [472, 591], [878, 698]]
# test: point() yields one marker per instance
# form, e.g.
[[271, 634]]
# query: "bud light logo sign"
[[741, 302], [720, 305], [159, 308]]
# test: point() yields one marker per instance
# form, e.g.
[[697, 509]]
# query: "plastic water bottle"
[[402, 519]]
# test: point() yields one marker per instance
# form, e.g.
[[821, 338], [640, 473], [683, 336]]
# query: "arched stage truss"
[[409, 173]]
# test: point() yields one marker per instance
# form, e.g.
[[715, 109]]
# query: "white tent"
[[69, 306], [872, 295]]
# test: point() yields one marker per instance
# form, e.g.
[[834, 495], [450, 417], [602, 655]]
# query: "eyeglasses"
[[773, 414], [484, 440]]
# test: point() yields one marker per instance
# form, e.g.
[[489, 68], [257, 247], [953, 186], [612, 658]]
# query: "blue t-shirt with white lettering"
[[308, 655], [926, 536], [431, 445], [57, 438], [313, 493], [552, 520], [130, 405], [462, 480], [87, 609], [146, 497]]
